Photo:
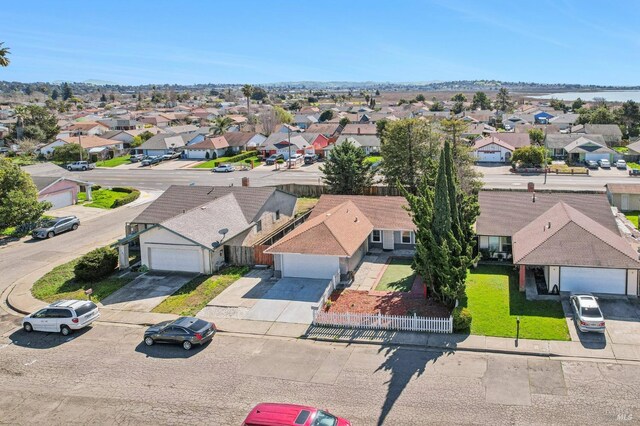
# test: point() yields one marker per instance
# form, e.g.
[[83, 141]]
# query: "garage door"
[[59, 200], [489, 156], [593, 280], [595, 156], [173, 259], [309, 266]]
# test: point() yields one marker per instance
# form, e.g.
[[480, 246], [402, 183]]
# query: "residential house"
[[121, 124], [624, 196], [243, 141], [569, 240], [477, 130], [86, 128], [317, 140], [542, 117], [163, 143], [96, 145], [303, 121], [492, 150], [128, 136], [564, 122], [60, 191], [369, 143], [339, 232], [329, 129], [583, 149], [278, 143], [556, 142], [209, 148], [359, 129], [188, 227], [611, 133], [287, 128]]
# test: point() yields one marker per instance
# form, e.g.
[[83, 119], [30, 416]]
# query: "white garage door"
[[59, 200], [595, 156], [309, 266], [593, 280], [489, 156], [173, 259]]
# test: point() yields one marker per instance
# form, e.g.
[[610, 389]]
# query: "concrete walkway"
[[373, 266]]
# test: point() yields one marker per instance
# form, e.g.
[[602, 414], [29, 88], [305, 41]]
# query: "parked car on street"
[[310, 158], [621, 164], [224, 168], [586, 313], [293, 415], [171, 155], [274, 158], [134, 158], [634, 172], [185, 331], [605, 164], [151, 160], [295, 160], [80, 165], [53, 227], [591, 164], [62, 317]]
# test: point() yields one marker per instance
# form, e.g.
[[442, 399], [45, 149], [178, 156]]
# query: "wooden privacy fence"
[[382, 322], [314, 191]]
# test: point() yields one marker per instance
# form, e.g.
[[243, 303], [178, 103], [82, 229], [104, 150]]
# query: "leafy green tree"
[[4, 58], [295, 106], [559, 105], [146, 135], [259, 94], [503, 100], [103, 98], [55, 95], [402, 102], [409, 150], [458, 107], [346, 171], [380, 126], [282, 115], [629, 118], [480, 101], [36, 122], [66, 91], [577, 104], [326, 115], [597, 115], [453, 128], [344, 121], [377, 92], [220, 125], [536, 135], [436, 106], [69, 153], [459, 97], [18, 196], [420, 98], [529, 156]]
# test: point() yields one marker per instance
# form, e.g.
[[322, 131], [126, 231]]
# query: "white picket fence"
[[382, 322]]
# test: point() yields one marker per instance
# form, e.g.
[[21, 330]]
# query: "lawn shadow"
[[520, 306], [44, 340]]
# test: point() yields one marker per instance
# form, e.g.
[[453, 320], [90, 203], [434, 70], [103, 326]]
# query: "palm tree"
[[220, 125], [247, 90], [4, 60]]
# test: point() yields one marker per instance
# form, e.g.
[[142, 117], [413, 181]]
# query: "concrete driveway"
[[81, 212], [146, 292]]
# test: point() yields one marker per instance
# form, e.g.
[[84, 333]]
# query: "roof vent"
[[356, 219], [533, 198], [549, 225]]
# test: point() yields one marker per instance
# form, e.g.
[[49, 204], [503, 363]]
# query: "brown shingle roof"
[[238, 139], [503, 213], [90, 141], [383, 212], [623, 188], [564, 236], [180, 198], [360, 129], [516, 140], [339, 231]]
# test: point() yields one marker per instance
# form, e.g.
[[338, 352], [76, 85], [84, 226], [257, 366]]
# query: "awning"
[[97, 150]]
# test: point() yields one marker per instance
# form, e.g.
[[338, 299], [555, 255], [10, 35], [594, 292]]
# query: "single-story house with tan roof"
[[492, 150], [625, 196], [564, 242], [95, 143], [209, 148]]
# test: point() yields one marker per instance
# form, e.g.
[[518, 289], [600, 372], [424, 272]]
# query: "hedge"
[[96, 264], [133, 195], [235, 158], [461, 319]]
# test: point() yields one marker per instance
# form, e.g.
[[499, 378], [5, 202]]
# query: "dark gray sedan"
[[185, 331], [53, 227]]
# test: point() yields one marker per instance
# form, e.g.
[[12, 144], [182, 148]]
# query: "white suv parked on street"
[[62, 316]]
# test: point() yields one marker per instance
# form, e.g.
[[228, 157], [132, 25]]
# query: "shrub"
[[461, 319], [133, 195], [236, 158], [96, 264]]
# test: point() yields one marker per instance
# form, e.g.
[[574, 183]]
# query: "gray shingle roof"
[[42, 182], [560, 140]]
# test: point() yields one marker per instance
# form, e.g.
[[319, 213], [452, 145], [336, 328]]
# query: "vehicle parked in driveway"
[[634, 172], [586, 313], [274, 158], [185, 331], [62, 317], [53, 227], [293, 415], [310, 158], [134, 158], [80, 165], [171, 155], [151, 160], [621, 164], [224, 168], [605, 164], [591, 164]]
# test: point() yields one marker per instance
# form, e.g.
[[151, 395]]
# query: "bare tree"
[[269, 120]]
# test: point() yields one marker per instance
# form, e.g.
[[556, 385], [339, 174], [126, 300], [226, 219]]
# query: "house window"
[[376, 236], [259, 226], [494, 244], [406, 237]]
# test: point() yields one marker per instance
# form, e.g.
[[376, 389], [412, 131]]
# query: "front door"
[[624, 204], [387, 240]]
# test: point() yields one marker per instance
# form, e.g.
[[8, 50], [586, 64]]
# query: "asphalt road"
[[105, 375]]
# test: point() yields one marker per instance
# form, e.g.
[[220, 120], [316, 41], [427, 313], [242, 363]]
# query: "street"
[[105, 375]]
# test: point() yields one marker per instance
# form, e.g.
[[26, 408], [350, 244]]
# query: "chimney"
[[534, 197], [358, 130], [549, 225]]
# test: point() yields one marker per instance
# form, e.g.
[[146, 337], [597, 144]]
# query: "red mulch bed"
[[391, 303]]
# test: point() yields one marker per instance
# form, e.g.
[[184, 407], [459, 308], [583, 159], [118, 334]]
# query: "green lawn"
[[210, 164], [398, 276], [633, 217], [621, 149], [102, 198], [633, 165], [373, 159], [194, 295], [305, 204], [117, 161], [59, 284], [495, 303]]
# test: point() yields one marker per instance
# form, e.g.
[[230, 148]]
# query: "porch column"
[[522, 277], [123, 256], [88, 187]]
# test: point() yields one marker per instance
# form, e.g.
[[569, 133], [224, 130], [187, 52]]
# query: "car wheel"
[[27, 327], [65, 330], [186, 345], [148, 341], [75, 226], [50, 234], [69, 168], [84, 169]]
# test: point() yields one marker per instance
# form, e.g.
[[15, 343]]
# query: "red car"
[[271, 414]]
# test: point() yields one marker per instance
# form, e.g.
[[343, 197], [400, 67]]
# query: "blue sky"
[[136, 42]]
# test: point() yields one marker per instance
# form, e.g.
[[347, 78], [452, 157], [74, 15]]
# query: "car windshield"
[[198, 325], [324, 419], [49, 223], [591, 312], [87, 307]]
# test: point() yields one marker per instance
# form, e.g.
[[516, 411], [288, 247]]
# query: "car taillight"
[[601, 324], [583, 323], [198, 336], [74, 320]]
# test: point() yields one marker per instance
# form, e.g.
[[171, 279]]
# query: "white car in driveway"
[[586, 313], [62, 317]]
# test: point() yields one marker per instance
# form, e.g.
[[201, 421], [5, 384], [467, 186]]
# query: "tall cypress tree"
[[441, 225]]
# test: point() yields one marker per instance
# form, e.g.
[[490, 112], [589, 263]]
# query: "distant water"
[[611, 96]]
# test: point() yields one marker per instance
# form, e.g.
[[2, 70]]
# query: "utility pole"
[[545, 156], [80, 143], [289, 159]]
